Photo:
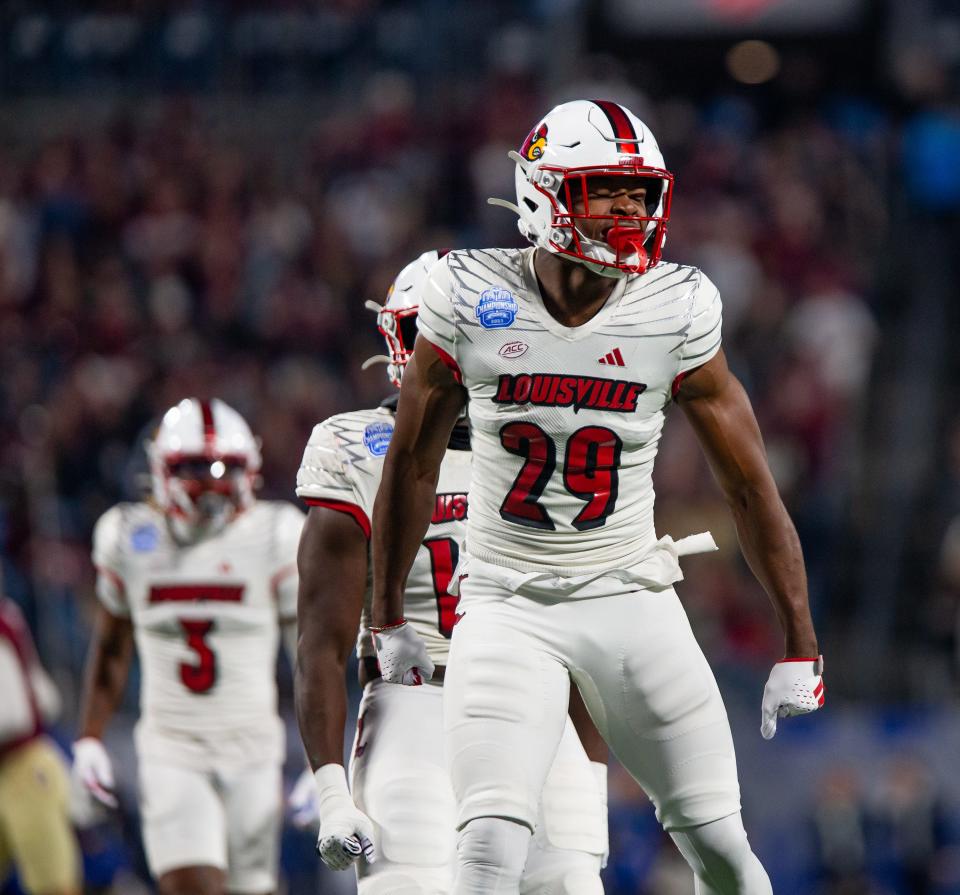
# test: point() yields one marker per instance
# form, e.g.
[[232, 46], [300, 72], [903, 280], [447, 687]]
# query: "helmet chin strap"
[[603, 270]]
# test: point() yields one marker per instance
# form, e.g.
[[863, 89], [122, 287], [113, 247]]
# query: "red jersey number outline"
[[200, 677], [591, 472], [444, 555]]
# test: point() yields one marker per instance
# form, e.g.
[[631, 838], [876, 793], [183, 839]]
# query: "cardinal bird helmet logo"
[[535, 143]]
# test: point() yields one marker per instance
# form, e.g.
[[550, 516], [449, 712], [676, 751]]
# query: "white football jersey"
[[342, 466], [206, 621], [565, 421]]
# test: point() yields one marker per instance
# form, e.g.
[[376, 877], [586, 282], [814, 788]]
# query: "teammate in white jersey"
[[202, 578], [400, 804], [570, 352]]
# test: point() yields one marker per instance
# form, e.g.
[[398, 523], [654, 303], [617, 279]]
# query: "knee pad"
[[414, 814], [572, 815], [491, 853]]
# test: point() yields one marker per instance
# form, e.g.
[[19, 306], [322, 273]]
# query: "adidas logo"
[[613, 359]]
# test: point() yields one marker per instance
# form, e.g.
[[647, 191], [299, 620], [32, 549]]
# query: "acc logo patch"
[[144, 538], [535, 143], [497, 308], [513, 349], [376, 438]]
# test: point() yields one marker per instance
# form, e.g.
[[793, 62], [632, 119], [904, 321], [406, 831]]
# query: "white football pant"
[[399, 780], [228, 819], [642, 675]]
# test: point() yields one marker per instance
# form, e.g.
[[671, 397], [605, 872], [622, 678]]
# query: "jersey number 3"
[[590, 473], [200, 677]]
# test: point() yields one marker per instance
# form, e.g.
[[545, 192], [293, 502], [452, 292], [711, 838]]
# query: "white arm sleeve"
[[703, 338], [108, 561]]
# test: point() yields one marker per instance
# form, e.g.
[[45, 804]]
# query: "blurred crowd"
[[152, 258], [165, 248]]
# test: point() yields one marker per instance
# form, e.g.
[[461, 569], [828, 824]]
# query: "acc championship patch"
[[144, 538], [497, 308], [376, 438]]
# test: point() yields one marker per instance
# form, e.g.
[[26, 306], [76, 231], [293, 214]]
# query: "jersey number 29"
[[591, 468]]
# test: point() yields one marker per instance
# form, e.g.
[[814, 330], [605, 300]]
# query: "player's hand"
[[304, 803], [402, 654], [91, 782], [346, 832], [795, 687]]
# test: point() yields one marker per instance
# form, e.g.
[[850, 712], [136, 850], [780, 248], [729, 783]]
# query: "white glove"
[[795, 687], [304, 802], [402, 654], [345, 831], [91, 782], [600, 773]]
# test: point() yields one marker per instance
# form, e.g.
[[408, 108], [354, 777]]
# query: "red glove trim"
[[397, 624]]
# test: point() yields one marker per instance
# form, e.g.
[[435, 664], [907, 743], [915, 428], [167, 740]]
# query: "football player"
[[399, 806], [202, 578], [570, 352], [36, 837]]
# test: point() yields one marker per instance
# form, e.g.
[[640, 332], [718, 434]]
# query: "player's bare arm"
[[332, 561], [430, 403], [721, 415], [108, 664]]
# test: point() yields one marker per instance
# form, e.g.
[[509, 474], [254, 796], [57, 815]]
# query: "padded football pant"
[[642, 675], [229, 819], [400, 781]]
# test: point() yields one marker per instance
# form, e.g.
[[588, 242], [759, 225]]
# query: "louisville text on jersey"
[[196, 593], [578, 392], [449, 508]]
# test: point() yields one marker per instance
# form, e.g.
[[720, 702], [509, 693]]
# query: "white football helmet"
[[204, 462], [574, 142], [397, 317]]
